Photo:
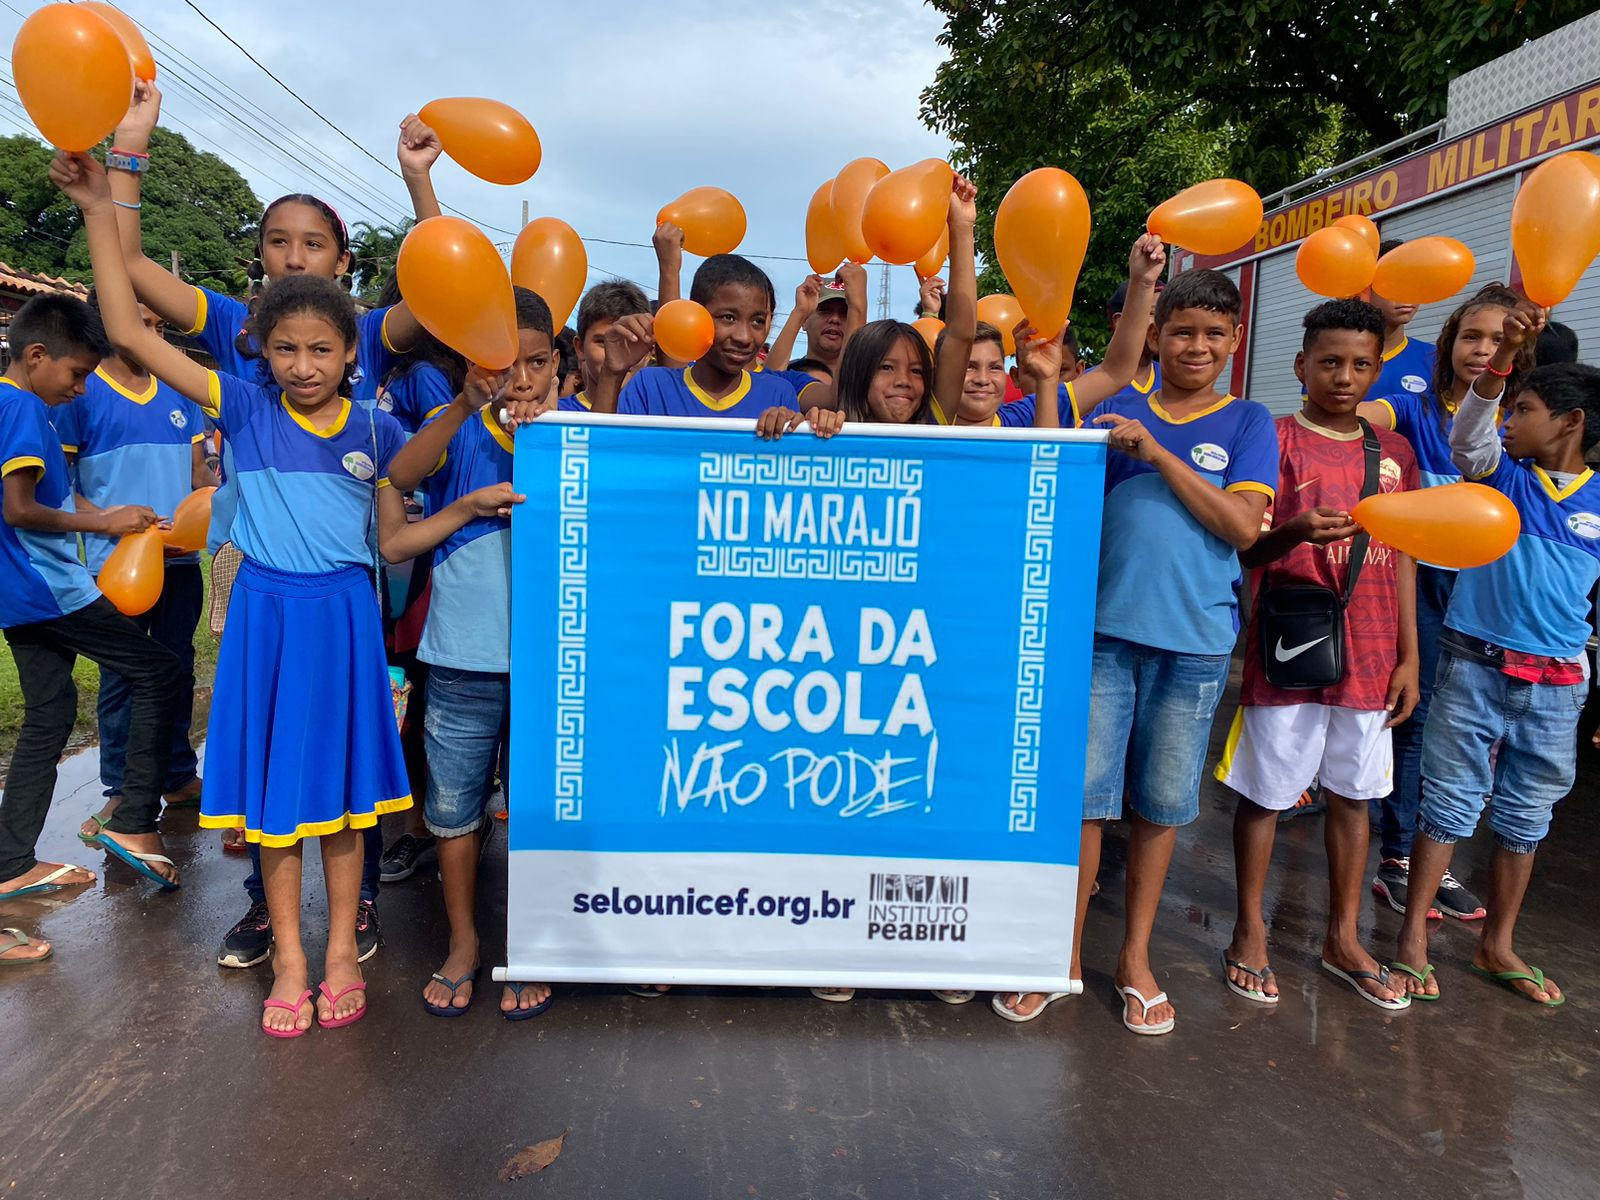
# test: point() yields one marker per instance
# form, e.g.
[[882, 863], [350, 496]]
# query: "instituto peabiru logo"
[[1209, 456]]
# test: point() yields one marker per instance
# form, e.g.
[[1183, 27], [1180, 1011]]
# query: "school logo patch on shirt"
[[1414, 383], [179, 421], [1585, 525], [385, 401], [359, 465], [1209, 456]]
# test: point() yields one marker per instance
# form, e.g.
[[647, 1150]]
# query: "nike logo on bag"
[[1293, 652], [1303, 486]]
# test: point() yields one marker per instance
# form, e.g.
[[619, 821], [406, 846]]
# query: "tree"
[[1139, 105], [193, 202], [375, 249]]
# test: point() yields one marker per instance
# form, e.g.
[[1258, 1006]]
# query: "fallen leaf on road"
[[532, 1159]]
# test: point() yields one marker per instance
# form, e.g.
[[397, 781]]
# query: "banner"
[[800, 712]]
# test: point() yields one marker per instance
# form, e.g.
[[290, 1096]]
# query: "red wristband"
[[1489, 367]]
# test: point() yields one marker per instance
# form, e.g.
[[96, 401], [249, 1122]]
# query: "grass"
[[87, 676]]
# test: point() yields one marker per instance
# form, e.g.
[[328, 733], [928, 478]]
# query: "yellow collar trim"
[[710, 401], [1404, 342], [299, 419], [6, 379], [1155, 407], [495, 431], [1306, 422], [1149, 382], [1556, 493], [149, 393], [583, 399]]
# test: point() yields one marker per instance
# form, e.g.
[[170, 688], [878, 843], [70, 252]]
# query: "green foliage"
[[193, 202], [1139, 99], [375, 249]]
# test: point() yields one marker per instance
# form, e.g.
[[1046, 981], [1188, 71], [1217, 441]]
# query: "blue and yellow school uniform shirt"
[[1140, 388], [1019, 413], [1165, 579], [670, 392], [307, 497], [416, 394], [1536, 598], [798, 380], [131, 448], [469, 612], [43, 577], [1415, 417], [577, 402], [1407, 368]]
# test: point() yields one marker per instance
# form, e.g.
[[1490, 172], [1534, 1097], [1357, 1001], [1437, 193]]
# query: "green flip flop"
[[1508, 980], [1420, 976]]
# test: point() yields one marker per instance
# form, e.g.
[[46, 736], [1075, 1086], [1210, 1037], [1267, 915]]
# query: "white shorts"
[[1275, 752]]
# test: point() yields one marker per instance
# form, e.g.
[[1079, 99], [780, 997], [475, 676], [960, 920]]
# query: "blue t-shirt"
[[132, 448], [798, 380], [1407, 368], [1414, 417], [469, 612], [577, 402], [416, 394], [1536, 598], [1139, 389], [307, 497], [1019, 413], [669, 392], [43, 577], [1165, 579]]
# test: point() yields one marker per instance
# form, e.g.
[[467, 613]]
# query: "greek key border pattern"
[[572, 621], [716, 560], [1038, 546], [808, 470]]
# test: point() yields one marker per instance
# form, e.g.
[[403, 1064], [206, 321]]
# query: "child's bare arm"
[[399, 539], [806, 297], [1127, 345], [418, 150], [23, 511], [961, 301]]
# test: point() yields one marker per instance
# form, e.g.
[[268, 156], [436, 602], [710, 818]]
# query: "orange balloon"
[[490, 139], [73, 74], [906, 209], [549, 258], [824, 243], [930, 328], [455, 283], [1424, 271], [712, 220], [1003, 312], [684, 330], [139, 56], [848, 198], [1366, 227], [1555, 225], [1041, 232], [1210, 218], [191, 522], [1457, 525], [932, 262], [133, 575], [1337, 262]]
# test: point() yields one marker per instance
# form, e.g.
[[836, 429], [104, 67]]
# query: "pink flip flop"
[[294, 1008], [333, 1002]]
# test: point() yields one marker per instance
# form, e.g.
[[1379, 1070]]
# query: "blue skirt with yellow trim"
[[302, 739]]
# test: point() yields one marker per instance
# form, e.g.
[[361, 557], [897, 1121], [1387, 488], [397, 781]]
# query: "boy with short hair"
[[131, 439], [602, 306], [1338, 733], [51, 613], [1185, 492], [1513, 673], [466, 643], [1407, 366]]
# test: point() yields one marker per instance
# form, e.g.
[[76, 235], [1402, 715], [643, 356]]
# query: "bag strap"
[[1372, 452]]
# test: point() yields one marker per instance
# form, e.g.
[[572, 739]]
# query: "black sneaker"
[[1455, 901], [366, 930], [401, 860], [250, 941], [1309, 805], [1392, 885]]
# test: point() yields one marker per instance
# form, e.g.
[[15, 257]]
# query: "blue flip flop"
[[450, 1010], [139, 862], [46, 885], [526, 1014]]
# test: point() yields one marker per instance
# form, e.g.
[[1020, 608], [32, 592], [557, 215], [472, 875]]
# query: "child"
[[130, 439], [467, 642], [52, 613], [1147, 375], [1338, 733], [1468, 338], [1512, 668], [1407, 366], [603, 306], [299, 234], [885, 376], [302, 734], [1185, 492]]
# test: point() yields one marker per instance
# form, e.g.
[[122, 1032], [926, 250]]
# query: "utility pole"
[[524, 224], [883, 293], [177, 265]]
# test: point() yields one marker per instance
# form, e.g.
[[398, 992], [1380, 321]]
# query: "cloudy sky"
[[634, 103]]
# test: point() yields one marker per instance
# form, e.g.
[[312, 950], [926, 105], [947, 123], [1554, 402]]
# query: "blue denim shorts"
[[1150, 717], [1536, 725], [465, 734]]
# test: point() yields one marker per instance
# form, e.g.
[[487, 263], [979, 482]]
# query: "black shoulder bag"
[[1302, 627]]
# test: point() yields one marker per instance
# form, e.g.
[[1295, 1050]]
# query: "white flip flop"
[[834, 995], [1255, 997], [957, 996], [1166, 1026], [1074, 988], [1354, 978]]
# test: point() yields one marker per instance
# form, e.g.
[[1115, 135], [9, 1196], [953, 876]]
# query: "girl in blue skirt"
[[302, 741]]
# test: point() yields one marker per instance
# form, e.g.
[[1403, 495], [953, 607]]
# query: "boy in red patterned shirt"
[[1340, 733]]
